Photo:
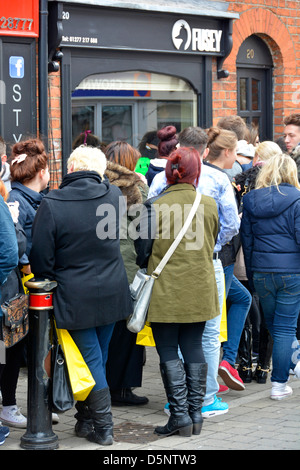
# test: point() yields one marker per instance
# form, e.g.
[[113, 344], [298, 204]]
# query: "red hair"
[[183, 166], [168, 140]]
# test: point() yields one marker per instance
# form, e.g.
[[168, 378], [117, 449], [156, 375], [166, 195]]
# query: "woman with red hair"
[[167, 143], [185, 294]]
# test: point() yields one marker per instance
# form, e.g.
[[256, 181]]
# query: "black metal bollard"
[[39, 434]]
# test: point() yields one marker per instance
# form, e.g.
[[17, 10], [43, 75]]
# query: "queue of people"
[[242, 246]]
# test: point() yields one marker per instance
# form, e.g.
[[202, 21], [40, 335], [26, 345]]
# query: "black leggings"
[[188, 336]]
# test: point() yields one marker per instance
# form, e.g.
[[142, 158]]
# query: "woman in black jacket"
[[76, 242]]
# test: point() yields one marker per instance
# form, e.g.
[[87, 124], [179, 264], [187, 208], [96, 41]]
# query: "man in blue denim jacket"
[[215, 184]]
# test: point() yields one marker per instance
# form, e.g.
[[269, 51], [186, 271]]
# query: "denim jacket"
[[215, 184]]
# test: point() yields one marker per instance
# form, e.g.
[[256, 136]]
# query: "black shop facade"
[[125, 72]]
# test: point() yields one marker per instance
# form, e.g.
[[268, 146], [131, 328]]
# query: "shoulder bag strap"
[[179, 237]]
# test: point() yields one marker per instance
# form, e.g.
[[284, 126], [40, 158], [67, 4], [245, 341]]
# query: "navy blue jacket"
[[29, 202], [270, 230]]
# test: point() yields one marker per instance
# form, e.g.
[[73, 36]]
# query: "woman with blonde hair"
[[255, 339], [271, 242], [76, 243], [265, 150]]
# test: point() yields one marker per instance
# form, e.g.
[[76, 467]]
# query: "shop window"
[[126, 105]]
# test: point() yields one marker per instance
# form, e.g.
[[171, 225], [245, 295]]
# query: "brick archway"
[[265, 24]]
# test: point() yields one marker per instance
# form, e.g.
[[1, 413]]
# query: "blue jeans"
[[93, 344], [279, 295], [240, 299], [210, 340]]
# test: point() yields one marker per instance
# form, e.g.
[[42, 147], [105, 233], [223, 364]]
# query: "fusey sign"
[[202, 40]]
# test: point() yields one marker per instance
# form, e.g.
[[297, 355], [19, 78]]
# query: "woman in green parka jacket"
[[185, 294]]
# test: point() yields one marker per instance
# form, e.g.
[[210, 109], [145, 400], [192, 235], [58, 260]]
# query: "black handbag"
[[62, 395]]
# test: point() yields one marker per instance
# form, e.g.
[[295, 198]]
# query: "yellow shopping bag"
[[145, 336], [81, 378], [223, 326], [25, 278]]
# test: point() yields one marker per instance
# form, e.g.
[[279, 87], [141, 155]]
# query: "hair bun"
[[213, 133], [166, 133], [168, 140]]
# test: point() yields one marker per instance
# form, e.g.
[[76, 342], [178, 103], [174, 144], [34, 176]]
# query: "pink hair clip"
[[86, 136], [19, 158]]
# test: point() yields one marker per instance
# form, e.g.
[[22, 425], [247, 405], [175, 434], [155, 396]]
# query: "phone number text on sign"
[[80, 39]]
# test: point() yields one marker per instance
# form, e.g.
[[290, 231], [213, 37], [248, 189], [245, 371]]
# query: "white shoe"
[[12, 416], [297, 370], [55, 418], [280, 391]]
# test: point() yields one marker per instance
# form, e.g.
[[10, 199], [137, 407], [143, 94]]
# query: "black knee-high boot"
[[264, 356], [84, 424], [245, 355], [196, 374], [99, 404], [174, 380]]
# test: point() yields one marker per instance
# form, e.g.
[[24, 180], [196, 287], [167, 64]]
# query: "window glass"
[[117, 123], [243, 94], [255, 94], [82, 119], [130, 104]]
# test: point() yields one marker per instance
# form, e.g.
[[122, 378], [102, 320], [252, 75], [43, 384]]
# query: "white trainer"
[[297, 370], [12, 416], [280, 391]]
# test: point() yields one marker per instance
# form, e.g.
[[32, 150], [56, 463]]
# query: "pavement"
[[253, 422]]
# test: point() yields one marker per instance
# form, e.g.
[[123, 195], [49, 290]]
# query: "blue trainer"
[[167, 409], [214, 409], [4, 432]]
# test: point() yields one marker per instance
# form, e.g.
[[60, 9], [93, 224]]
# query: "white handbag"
[[142, 285]]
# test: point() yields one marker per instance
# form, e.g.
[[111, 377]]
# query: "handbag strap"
[[179, 237]]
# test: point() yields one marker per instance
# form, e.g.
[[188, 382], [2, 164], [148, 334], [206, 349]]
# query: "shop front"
[[127, 71]]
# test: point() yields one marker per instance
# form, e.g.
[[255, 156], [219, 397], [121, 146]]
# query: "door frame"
[[254, 57], [264, 75]]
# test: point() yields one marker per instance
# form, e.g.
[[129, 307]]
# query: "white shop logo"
[[203, 40]]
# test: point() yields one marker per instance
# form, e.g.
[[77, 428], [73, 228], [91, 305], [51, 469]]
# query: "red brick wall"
[[277, 22], [54, 126]]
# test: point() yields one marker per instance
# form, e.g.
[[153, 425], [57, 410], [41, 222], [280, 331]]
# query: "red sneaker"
[[222, 389], [231, 376]]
